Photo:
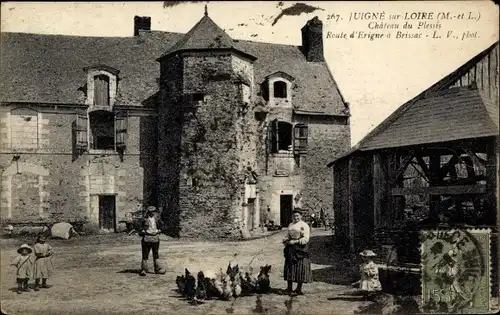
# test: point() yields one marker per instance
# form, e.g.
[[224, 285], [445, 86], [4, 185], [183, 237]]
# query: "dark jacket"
[[296, 252], [148, 237]]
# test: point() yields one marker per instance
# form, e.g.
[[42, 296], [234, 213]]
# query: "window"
[[101, 130], [197, 97], [24, 128], [192, 100], [194, 97], [101, 90], [283, 136], [280, 89], [280, 136]]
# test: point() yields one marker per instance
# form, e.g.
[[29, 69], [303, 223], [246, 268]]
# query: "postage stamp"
[[456, 271]]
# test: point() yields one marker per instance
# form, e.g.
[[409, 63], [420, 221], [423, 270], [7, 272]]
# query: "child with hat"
[[24, 265], [369, 282]]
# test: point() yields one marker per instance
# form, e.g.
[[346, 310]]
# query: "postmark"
[[456, 270]]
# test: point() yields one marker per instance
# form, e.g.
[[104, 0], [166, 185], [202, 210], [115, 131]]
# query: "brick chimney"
[[312, 40], [142, 23]]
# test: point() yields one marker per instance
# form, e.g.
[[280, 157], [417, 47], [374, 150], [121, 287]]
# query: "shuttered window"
[[101, 90], [300, 134], [102, 130], [282, 136]]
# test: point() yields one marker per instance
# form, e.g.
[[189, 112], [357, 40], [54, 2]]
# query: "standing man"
[[151, 230]]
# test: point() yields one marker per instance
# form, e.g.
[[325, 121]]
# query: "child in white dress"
[[369, 283], [43, 263]]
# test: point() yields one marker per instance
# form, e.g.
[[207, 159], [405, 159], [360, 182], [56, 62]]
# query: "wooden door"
[[107, 216], [251, 214], [286, 204]]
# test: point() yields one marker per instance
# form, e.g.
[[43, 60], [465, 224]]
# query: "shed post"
[[350, 206], [378, 188]]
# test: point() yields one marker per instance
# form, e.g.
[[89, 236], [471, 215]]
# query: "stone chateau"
[[220, 134]]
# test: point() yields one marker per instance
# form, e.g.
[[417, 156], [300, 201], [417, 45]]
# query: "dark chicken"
[[263, 282], [201, 291], [181, 284], [190, 285]]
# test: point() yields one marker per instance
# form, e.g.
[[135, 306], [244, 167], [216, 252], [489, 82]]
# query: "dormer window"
[[277, 89], [280, 89], [101, 86]]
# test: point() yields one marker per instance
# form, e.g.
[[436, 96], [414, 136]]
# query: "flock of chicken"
[[233, 283]]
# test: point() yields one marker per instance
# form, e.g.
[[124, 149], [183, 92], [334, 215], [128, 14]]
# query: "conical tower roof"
[[205, 35]]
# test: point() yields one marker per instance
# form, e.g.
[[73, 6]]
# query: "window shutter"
[[82, 131], [300, 134], [272, 136], [121, 121]]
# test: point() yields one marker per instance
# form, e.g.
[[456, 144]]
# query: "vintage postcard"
[[249, 157]]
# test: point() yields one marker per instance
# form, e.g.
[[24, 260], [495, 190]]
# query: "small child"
[[43, 262], [24, 265], [369, 283]]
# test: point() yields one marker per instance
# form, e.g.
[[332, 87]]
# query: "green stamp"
[[456, 271]]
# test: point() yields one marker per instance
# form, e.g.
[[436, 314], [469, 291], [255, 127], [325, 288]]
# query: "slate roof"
[[452, 114], [204, 34], [438, 114], [49, 68]]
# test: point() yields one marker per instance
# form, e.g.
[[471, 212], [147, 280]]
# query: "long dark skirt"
[[299, 271]]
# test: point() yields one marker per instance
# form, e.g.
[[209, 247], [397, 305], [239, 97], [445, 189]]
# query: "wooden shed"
[[433, 162]]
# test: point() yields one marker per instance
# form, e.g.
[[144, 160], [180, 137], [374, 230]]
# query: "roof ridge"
[[87, 36], [235, 40]]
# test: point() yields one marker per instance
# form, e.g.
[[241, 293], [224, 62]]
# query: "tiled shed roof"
[[48, 68], [452, 114], [437, 114]]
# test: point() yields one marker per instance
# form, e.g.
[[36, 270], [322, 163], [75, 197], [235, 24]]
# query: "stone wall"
[[51, 183], [170, 120], [216, 140], [210, 150], [306, 178], [328, 139]]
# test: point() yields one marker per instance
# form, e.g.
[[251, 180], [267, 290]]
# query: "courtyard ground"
[[98, 275]]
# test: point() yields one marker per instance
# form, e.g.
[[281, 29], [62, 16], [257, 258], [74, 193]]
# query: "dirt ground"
[[98, 275]]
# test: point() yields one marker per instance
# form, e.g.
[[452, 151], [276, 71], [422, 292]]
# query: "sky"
[[374, 76]]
